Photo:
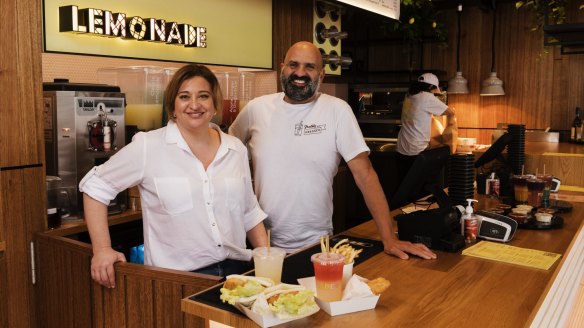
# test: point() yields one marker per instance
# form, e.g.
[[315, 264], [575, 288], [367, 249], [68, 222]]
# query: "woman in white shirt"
[[198, 204]]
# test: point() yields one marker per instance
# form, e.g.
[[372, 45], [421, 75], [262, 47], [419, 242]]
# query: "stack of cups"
[[461, 178], [516, 148]]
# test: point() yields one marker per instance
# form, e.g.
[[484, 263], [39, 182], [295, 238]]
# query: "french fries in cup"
[[343, 247]]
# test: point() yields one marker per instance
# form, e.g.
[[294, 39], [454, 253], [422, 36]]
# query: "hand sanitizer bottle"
[[470, 223]]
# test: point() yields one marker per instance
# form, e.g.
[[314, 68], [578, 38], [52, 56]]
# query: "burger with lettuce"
[[283, 300]]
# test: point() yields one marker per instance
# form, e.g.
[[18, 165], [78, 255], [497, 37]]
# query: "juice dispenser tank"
[[144, 89]]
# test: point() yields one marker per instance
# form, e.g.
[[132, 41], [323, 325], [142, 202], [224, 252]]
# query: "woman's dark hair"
[[185, 73], [417, 87]]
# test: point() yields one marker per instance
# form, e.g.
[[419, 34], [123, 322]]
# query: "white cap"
[[430, 79]]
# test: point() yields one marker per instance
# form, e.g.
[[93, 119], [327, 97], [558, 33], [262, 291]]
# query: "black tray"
[[295, 266], [556, 223], [561, 206]]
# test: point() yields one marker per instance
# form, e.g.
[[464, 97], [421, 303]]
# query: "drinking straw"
[[268, 241]]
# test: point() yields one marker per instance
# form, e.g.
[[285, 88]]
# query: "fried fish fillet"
[[378, 285], [232, 283]]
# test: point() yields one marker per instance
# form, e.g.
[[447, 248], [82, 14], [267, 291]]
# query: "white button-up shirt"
[[192, 217]]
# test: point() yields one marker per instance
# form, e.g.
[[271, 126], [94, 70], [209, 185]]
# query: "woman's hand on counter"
[[401, 249], [102, 266]]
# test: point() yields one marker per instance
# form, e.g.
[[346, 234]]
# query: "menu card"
[[512, 254]]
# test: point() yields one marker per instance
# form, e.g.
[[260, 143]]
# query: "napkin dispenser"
[[496, 227]]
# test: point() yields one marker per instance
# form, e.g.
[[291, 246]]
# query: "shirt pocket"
[[235, 196], [174, 194]]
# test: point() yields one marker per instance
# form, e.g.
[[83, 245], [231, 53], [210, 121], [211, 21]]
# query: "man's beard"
[[299, 93]]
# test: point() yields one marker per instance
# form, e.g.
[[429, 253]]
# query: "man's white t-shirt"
[[296, 151], [416, 120], [192, 217]]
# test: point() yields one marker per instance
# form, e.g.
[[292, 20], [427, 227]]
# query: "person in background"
[[198, 204], [420, 104], [297, 138]]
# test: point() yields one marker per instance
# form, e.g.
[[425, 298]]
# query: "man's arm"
[[368, 182]]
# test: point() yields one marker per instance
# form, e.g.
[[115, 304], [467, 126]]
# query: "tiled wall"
[[83, 69]]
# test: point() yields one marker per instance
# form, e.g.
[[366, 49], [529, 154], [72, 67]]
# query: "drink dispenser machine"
[[144, 90], [238, 89], [247, 88], [84, 126]]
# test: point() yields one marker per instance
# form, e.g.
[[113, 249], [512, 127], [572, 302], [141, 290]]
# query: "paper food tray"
[[340, 307], [268, 320]]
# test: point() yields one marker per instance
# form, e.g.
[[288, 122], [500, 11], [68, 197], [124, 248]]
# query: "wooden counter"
[[145, 296], [451, 291], [563, 160]]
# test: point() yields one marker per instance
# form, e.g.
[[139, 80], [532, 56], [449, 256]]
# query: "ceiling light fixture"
[[492, 85], [458, 84]]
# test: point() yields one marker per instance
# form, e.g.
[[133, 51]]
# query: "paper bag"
[[441, 135]]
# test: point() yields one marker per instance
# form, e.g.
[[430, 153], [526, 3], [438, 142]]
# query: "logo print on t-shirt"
[[300, 129]]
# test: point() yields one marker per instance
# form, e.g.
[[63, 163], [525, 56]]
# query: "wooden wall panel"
[[144, 296], [542, 90], [17, 218], [21, 156], [21, 140], [64, 293], [291, 22], [140, 293]]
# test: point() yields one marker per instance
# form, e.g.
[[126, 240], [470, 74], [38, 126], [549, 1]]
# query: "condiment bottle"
[[470, 223]]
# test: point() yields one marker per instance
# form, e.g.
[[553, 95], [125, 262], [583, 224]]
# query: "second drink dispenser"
[[238, 89]]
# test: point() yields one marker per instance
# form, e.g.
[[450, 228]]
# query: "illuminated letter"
[[202, 37], [68, 19], [174, 36], [156, 30], [194, 36], [115, 26], [137, 28], [188, 34], [93, 19]]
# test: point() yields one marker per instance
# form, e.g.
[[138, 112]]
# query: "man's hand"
[[102, 266], [402, 248]]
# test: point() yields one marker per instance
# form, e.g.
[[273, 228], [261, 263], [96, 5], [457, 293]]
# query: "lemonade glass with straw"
[[268, 262]]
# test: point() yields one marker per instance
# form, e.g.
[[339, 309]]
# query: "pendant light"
[[492, 85], [458, 84]]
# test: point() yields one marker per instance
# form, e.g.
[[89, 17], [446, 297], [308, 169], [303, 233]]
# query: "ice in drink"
[[328, 275], [268, 262]]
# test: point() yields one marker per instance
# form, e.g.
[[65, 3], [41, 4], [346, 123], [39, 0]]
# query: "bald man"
[[297, 138]]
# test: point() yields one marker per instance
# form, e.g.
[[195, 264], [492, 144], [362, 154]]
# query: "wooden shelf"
[[77, 226], [569, 36]]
